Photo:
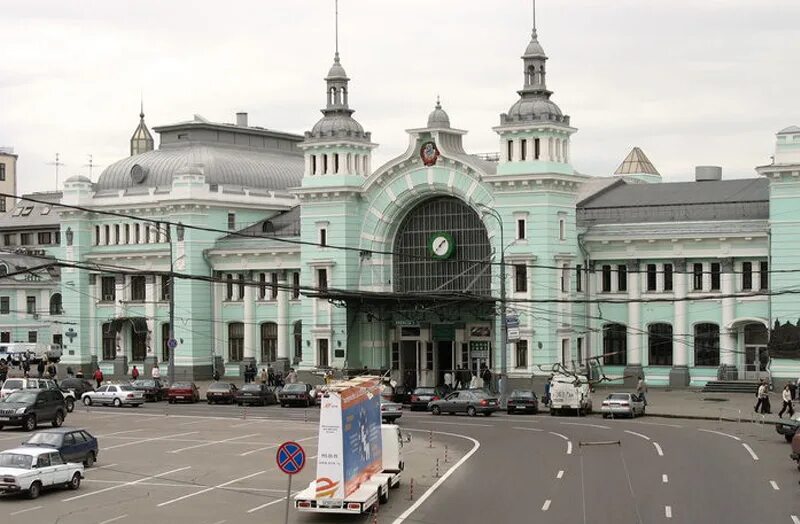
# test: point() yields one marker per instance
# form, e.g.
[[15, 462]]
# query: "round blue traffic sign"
[[172, 343], [291, 457]]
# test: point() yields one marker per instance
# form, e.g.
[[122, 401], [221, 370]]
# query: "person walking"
[[761, 396], [475, 382], [3, 370], [264, 377], [291, 377], [40, 368], [270, 376], [70, 372], [98, 377], [458, 384], [547, 386], [486, 376], [52, 371], [155, 372], [448, 380], [215, 375], [787, 402], [641, 389], [135, 373]]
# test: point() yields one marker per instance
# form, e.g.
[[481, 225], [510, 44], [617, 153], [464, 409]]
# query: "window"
[[274, 286], [523, 149], [715, 276], [269, 342], [9, 239], [522, 353], [235, 341], [5, 305], [615, 344], [109, 343], [322, 279], [578, 278], [138, 288], [44, 460], [57, 238], [606, 283], [262, 286], [27, 210], [429, 356], [336, 162], [323, 237], [566, 354], [651, 277], [659, 344], [229, 287], [323, 358], [231, 221], [298, 341], [520, 278], [296, 285], [2, 204], [537, 148], [2, 172], [697, 275], [127, 233], [706, 345], [107, 235], [521, 227], [108, 289], [55, 304], [313, 164], [137, 233], [3, 270], [764, 274], [747, 276], [324, 164], [25, 239], [622, 277], [138, 345], [510, 150], [164, 342], [146, 234], [33, 337], [5, 336], [579, 348], [667, 277], [565, 278], [562, 229], [165, 291], [58, 339], [396, 356], [31, 305], [241, 286], [116, 234]]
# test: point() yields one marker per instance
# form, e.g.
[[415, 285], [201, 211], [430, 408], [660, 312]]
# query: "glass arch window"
[[269, 342], [615, 345], [55, 304], [706, 345], [298, 340], [659, 344]]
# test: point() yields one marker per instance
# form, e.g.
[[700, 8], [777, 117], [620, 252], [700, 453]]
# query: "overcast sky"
[[690, 81]]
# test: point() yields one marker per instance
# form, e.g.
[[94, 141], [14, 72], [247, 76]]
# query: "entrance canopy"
[[139, 324]]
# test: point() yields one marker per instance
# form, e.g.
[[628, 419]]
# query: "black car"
[[78, 386], [154, 390], [75, 445], [259, 394], [298, 394], [29, 407], [423, 395], [221, 392], [522, 401], [788, 427]]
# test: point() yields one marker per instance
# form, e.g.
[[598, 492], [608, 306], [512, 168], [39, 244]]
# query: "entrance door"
[[409, 362], [323, 358], [444, 355], [755, 352]]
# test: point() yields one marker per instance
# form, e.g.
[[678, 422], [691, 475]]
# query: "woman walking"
[[787, 402]]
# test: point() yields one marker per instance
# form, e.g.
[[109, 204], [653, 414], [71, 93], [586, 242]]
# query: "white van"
[[15, 352], [570, 393]]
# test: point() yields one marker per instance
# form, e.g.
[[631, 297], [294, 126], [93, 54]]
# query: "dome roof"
[[230, 166], [534, 47], [78, 178], [438, 119], [534, 108], [336, 70], [337, 124]]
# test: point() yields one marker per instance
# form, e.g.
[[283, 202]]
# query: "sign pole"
[[288, 497]]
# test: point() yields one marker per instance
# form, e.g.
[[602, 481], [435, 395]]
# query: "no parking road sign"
[[291, 458]]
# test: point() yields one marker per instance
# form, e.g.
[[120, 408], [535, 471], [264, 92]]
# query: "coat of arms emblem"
[[429, 153]]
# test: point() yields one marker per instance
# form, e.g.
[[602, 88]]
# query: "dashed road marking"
[[637, 434], [273, 446], [152, 439], [268, 504], [559, 435], [20, 512], [190, 495], [528, 429], [569, 447], [734, 437], [546, 505], [214, 442], [454, 423], [750, 450], [114, 519], [569, 442], [560, 474], [774, 485], [664, 478], [120, 432], [795, 519], [658, 449], [132, 483], [598, 426], [668, 512]]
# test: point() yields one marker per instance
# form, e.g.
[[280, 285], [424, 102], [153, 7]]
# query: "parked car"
[[788, 427], [469, 401], [32, 470], [77, 386], [298, 394], [74, 444], [115, 395], [622, 405], [183, 392], [221, 393], [27, 408], [423, 395], [16, 384], [152, 388], [390, 411], [259, 394], [402, 394], [796, 449], [522, 401]]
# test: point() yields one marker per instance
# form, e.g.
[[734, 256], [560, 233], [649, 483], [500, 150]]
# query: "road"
[[503, 468]]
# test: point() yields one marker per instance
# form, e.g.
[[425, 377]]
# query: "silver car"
[[116, 395], [390, 411], [622, 405]]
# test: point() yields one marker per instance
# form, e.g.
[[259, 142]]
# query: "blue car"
[[75, 445]]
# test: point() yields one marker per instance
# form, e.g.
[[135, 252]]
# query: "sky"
[[690, 82]]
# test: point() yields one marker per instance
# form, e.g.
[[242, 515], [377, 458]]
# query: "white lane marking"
[[598, 426], [546, 505], [224, 521], [528, 429], [569, 447], [475, 446], [569, 442], [559, 435], [454, 423], [734, 437], [114, 519], [20, 512], [190, 495], [637, 434], [659, 424], [105, 466], [213, 442], [750, 450], [273, 446], [668, 512], [190, 423], [658, 449], [774, 485], [297, 423], [664, 478], [795, 519], [142, 441], [560, 474], [186, 485], [243, 424], [268, 504], [119, 432], [132, 483]]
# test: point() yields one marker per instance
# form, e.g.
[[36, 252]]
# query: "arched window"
[[615, 345], [164, 340], [269, 342], [109, 342], [235, 342], [3, 270], [55, 303], [706, 345], [298, 341], [659, 344]]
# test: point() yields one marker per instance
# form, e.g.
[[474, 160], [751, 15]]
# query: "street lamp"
[[171, 343], [503, 333]]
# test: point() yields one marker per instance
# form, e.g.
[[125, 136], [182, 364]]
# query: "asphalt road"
[[498, 469]]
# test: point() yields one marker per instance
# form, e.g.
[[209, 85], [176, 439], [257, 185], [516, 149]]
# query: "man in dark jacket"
[[486, 375]]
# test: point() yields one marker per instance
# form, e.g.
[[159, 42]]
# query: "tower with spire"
[[141, 141]]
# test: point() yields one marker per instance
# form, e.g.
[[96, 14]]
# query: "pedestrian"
[[291, 377], [26, 367], [641, 389], [448, 380], [3, 370], [264, 376], [270, 376], [547, 386], [215, 375], [70, 373], [787, 402], [40, 368], [486, 375], [155, 372], [52, 371], [458, 383], [79, 374], [135, 373], [763, 399], [475, 382], [98, 377]]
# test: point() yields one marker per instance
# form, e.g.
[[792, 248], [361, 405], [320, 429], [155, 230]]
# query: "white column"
[[283, 317], [249, 322], [634, 315], [119, 295], [680, 349], [217, 326], [727, 340], [94, 349], [150, 297]]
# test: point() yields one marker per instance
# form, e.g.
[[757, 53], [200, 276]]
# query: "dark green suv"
[[27, 408]]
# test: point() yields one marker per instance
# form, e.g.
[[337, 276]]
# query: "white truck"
[[16, 352], [358, 459], [569, 392]]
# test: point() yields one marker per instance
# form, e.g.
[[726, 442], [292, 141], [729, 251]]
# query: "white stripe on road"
[[105, 466], [559, 435], [145, 479], [664, 478], [750, 450], [268, 504], [658, 449], [528, 429], [546, 505], [637, 434], [454, 423], [795, 519], [658, 424], [214, 442], [668, 512], [273, 446], [20, 512], [190, 495], [569, 447], [114, 519], [569, 442], [142, 441], [734, 437], [120, 432], [560, 474], [598, 426], [774, 485]]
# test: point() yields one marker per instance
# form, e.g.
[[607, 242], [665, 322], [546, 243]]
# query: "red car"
[[183, 392]]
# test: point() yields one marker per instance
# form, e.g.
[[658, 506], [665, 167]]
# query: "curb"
[[706, 417]]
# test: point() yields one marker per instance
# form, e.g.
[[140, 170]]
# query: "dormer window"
[[27, 210]]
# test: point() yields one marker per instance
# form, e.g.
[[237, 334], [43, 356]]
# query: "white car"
[[30, 470], [622, 405], [15, 384], [116, 395]]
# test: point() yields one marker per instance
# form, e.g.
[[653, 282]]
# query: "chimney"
[[707, 173], [241, 119]]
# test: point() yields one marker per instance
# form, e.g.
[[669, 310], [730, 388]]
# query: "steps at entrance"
[[731, 386]]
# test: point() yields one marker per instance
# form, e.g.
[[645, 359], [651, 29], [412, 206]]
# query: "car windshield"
[[294, 388], [219, 386], [424, 391], [522, 394], [479, 393], [618, 396], [12, 383], [25, 397], [15, 460], [144, 383], [44, 439], [127, 388], [251, 387]]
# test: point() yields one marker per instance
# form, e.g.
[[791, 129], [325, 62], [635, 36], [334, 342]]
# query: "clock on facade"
[[441, 245]]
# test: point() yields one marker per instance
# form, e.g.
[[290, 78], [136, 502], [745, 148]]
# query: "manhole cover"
[[713, 399]]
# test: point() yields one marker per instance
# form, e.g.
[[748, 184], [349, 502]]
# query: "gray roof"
[[266, 233], [438, 119], [790, 129], [30, 215]]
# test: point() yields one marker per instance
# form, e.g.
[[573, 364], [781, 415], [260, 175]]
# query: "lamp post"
[[503, 331], [171, 343]]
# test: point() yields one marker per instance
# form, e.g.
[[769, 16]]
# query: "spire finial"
[[141, 105], [533, 32], [438, 102], [336, 6]]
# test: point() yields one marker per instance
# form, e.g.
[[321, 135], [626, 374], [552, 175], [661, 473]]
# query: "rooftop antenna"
[[58, 163], [336, 5], [91, 165]]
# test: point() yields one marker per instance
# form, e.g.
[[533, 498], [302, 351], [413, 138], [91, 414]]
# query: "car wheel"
[[75, 483], [58, 420], [510, 411], [436, 410], [1, 427], [87, 401], [35, 490], [487, 414], [788, 437], [383, 498], [209, 402], [89, 460], [69, 404], [30, 423], [117, 403], [471, 411]]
